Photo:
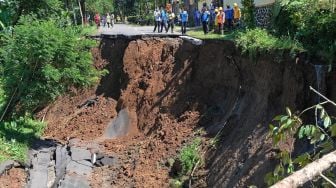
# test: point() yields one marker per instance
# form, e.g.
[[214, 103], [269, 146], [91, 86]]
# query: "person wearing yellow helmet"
[[216, 25], [236, 14], [220, 20]]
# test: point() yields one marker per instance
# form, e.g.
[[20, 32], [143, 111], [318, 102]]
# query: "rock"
[[6, 166], [78, 154], [108, 161]]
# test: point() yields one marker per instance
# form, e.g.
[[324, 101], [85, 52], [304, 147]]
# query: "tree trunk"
[[74, 14], [308, 173], [81, 12]]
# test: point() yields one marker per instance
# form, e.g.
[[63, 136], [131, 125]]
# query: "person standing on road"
[[164, 19], [112, 20], [104, 20], [237, 15], [171, 19], [108, 20], [184, 21], [157, 18], [97, 20], [229, 17], [197, 17], [205, 19], [221, 21]]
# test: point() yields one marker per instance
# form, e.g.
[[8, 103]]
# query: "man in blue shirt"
[[184, 20], [164, 19], [229, 17], [197, 17], [205, 19]]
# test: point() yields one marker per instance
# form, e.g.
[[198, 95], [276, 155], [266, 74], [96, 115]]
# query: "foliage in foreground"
[[16, 137], [189, 156], [258, 40], [319, 136], [43, 60]]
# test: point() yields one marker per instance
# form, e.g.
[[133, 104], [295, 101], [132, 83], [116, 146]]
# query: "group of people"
[[104, 20], [215, 19], [218, 18], [166, 19]]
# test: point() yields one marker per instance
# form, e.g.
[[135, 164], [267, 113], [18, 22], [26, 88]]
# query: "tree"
[[248, 13], [41, 61], [41, 8]]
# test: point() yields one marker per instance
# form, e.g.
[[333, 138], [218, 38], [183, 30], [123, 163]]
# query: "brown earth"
[[13, 178], [172, 88]]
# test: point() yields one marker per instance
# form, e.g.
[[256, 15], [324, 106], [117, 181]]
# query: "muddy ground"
[[171, 89]]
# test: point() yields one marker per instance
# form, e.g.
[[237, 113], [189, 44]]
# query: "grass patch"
[[184, 163], [12, 150], [89, 30], [199, 34], [189, 156], [16, 136], [260, 41]]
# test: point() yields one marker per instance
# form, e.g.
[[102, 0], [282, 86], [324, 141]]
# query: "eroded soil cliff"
[[171, 88]]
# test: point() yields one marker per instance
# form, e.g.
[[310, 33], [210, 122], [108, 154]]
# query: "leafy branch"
[[319, 134]]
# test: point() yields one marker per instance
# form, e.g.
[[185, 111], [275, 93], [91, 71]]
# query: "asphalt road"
[[129, 30]]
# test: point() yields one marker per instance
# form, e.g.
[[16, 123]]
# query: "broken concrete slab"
[[194, 41], [61, 160], [39, 174], [6, 166], [78, 154], [83, 167], [74, 182]]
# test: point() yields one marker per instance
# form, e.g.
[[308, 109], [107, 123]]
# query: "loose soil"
[[171, 89], [13, 178]]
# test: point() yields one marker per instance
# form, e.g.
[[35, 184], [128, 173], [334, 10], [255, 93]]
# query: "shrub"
[[311, 22], [42, 60], [189, 156], [259, 40]]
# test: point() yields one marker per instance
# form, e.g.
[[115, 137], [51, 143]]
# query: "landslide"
[[170, 88]]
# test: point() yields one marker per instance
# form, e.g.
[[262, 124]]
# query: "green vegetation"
[[100, 6], [46, 60], [311, 22], [260, 41], [319, 134], [198, 33], [189, 156], [248, 12], [16, 136], [42, 55], [187, 160]]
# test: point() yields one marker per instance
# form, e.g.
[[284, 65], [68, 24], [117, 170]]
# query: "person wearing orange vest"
[[220, 20], [236, 14]]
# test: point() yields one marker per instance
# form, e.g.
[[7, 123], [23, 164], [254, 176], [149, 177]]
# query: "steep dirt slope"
[[170, 88]]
